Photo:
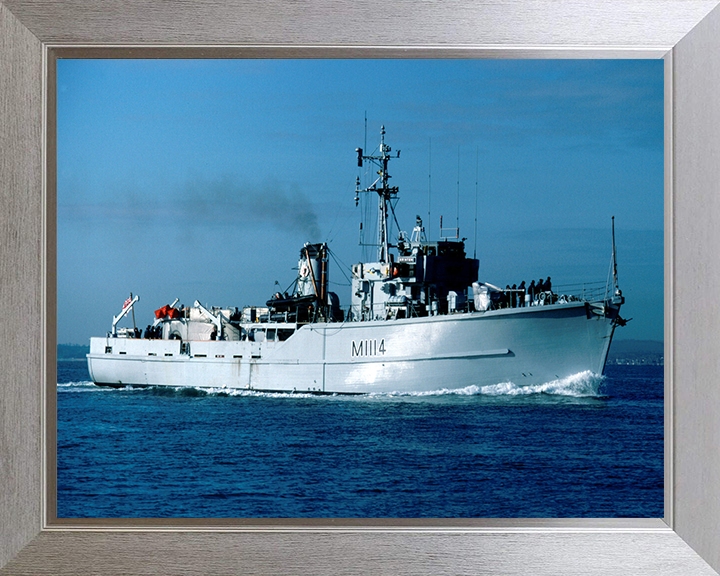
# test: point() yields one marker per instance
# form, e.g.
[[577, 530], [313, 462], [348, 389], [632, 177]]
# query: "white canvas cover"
[[196, 315], [200, 330]]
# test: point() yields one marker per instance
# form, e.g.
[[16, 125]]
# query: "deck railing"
[[586, 291]]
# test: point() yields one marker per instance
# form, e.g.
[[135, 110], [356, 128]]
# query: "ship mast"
[[385, 193]]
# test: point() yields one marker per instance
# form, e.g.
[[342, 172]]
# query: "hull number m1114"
[[368, 348]]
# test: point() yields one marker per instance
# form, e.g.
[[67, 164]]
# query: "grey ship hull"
[[526, 346]]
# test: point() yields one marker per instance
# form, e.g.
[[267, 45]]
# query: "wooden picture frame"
[[685, 32]]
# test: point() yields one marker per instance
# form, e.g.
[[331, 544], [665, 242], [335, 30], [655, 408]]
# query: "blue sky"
[[202, 179]]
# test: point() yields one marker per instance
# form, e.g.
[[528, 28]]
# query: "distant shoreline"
[[637, 352], [72, 351]]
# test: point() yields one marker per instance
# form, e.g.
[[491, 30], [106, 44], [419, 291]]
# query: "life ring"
[[304, 270]]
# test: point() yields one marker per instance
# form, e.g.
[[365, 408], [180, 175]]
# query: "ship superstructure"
[[423, 278], [418, 319]]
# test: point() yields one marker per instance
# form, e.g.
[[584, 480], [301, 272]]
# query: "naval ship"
[[419, 320]]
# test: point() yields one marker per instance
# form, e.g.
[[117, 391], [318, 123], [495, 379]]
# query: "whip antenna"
[[429, 173], [477, 165], [457, 216]]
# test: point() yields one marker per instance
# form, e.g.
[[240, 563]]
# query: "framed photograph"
[[403, 365], [36, 539]]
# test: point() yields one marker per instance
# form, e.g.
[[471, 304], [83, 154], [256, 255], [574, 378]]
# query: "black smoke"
[[226, 201]]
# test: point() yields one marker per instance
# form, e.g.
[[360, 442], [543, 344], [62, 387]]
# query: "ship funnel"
[[312, 271]]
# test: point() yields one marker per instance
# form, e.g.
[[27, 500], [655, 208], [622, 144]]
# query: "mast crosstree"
[[385, 193]]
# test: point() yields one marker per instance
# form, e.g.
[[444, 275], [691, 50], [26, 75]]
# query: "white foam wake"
[[580, 385], [81, 384]]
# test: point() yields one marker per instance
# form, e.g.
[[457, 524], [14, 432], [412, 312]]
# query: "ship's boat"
[[418, 320]]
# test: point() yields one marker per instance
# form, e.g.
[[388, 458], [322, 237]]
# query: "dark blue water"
[[584, 447]]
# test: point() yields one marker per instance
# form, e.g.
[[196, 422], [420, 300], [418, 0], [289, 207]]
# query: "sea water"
[[585, 446]]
